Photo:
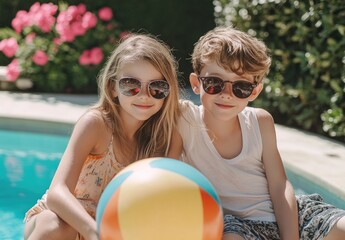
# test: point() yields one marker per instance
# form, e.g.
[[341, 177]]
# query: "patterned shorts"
[[316, 218]]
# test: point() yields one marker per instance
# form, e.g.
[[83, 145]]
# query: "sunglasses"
[[215, 85], [157, 89]]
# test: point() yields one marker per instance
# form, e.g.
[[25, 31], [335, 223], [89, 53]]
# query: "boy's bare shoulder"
[[265, 119], [263, 115]]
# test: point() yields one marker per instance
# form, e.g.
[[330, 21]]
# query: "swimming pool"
[[28, 162]]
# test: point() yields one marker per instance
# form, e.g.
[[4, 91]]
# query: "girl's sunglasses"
[[215, 85], [157, 89]]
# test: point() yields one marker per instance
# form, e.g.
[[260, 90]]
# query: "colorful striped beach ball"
[[159, 199]]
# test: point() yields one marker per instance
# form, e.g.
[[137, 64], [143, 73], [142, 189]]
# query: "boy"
[[234, 145]]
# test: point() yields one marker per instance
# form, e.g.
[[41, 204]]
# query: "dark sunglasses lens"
[[129, 86], [159, 89], [212, 85], [242, 89]]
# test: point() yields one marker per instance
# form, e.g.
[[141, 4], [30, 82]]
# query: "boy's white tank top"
[[240, 182]]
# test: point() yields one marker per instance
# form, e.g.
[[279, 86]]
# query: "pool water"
[[303, 185], [27, 164]]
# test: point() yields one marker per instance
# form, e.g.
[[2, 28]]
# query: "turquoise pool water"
[[27, 164], [303, 185]]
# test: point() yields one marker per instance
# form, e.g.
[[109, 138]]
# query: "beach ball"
[[159, 199]]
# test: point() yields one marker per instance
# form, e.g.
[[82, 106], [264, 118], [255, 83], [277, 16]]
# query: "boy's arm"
[[281, 191], [176, 146]]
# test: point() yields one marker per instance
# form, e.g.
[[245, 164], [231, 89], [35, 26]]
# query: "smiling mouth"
[[224, 105], [142, 106]]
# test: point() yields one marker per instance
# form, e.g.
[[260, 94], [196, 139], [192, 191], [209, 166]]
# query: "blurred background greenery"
[[177, 22], [306, 85]]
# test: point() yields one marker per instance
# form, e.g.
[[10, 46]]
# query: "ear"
[[194, 83], [256, 92]]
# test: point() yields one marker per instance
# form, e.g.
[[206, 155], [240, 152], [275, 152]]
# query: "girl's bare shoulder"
[[92, 118], [91, 125]]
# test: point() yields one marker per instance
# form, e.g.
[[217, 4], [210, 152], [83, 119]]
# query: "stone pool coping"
[[316, 158]]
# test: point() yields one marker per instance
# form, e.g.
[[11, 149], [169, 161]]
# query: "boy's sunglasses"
[[157, 89], [215, 85]]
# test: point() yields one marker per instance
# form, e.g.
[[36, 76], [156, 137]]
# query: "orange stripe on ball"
[[111, 230], [212, 213]]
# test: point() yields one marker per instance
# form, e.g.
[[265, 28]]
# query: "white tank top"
[[241, 181]]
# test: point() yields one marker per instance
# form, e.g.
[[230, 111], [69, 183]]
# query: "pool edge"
[[36, 125]]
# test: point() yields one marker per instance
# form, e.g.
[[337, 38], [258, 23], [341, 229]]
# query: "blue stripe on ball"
[[108, 193], [187, 171]]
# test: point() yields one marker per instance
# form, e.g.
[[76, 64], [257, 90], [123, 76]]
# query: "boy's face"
[[225, 105]]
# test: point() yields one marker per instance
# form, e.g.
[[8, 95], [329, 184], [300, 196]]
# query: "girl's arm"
[[84, 140], [281, 191]]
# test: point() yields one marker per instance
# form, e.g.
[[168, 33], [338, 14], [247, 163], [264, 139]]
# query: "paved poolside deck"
[[316, 158]]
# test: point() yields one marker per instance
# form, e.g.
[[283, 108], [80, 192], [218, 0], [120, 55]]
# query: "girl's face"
[[140, 107]]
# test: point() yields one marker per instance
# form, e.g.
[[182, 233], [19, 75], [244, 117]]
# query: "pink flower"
[[84, 58], [40, 58], [78, 29], [64, 29], [72, 13], [9, 46], [72, 23], [93, 56], [89, 20], [81, 8], [43, 15], [13, 70], [49, 8], [96, 55], [20, 21], [35, 7], [44, 22], [105, 13]]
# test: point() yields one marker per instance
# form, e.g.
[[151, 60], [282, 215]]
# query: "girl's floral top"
[[96, 173]]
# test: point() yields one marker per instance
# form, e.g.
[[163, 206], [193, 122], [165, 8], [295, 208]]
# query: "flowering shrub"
[[60, 48]]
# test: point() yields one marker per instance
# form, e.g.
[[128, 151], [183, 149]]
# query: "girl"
[[134, 119]]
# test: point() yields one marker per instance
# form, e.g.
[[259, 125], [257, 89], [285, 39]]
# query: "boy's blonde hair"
[[154, 137], [233, 50]]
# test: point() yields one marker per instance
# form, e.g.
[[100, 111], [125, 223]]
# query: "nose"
[[144, 90], [227, 91]]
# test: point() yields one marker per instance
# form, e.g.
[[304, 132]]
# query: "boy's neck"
[[221, 128], [224, 134]]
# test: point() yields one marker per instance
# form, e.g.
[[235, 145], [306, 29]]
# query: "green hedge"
[[306, 85]]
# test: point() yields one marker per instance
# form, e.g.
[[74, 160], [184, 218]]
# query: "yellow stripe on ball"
[[168, 203]]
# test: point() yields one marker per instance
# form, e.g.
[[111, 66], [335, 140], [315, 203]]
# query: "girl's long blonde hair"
[[153, 138]]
